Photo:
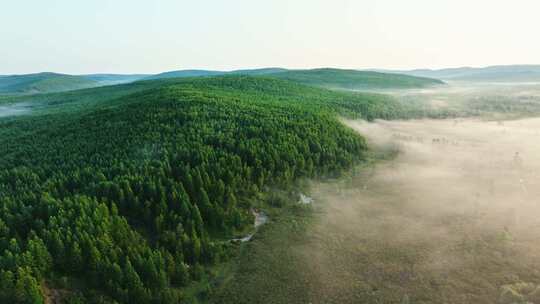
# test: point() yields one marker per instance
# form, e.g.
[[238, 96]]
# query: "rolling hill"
[[43, 83], [184, 74], [501, 73], [328, 78], [129, 193], [355, 80], [258, 72], [208, 73]]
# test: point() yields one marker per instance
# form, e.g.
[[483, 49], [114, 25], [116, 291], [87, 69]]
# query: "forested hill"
[[207, 73], [327, 78], [356, 80], [128, 193], [43, 83]]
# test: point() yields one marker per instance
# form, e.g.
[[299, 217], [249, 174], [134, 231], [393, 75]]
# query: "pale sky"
[[149, 36]]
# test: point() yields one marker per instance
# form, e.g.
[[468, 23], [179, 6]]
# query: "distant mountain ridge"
[[208, 73], [497, 73], [48, 82], [324, 77], [43, 83], [355, 80]]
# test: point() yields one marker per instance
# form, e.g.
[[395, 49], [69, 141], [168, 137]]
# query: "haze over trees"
[[334, 78], [498, 73]]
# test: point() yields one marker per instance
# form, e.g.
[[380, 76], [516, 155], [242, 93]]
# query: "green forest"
[[128, 193], [356, 80]]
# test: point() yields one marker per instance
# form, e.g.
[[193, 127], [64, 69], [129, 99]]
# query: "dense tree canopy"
[[131, 190]]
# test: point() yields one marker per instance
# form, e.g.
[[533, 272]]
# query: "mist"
[[13, 110], [452, 218], [465, 99]]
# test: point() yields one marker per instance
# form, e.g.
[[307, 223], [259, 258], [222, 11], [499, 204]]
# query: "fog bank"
[[13, 109], [454, 218]]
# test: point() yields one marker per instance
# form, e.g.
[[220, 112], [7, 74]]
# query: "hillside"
[[355, 80], [185, 74], [43, 83], [129, 193], [258, 72], [509, 73], [328, 78], [208, 73]]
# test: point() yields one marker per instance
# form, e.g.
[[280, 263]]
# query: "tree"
[[76, 258], [40, 255], [27, 290], [206, 207], [134, 285], [7, 286]]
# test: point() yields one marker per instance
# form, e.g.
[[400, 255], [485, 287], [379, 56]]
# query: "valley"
[[243, 188], [269, 152]]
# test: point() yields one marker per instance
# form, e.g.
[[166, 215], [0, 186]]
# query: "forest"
[[126, 194]]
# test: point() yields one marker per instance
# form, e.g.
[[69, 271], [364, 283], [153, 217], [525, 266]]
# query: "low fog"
[[465, 99], [13, 109], [453, 218]]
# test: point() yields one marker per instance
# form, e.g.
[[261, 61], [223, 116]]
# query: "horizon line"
[[275, 67]]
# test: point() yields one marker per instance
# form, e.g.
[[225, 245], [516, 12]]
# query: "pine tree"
[[41, 256], [76, 258], [7, 286], [27, 289], [206, 207]]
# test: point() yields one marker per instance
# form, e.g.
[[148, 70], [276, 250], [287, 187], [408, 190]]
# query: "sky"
[[151, 36]]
